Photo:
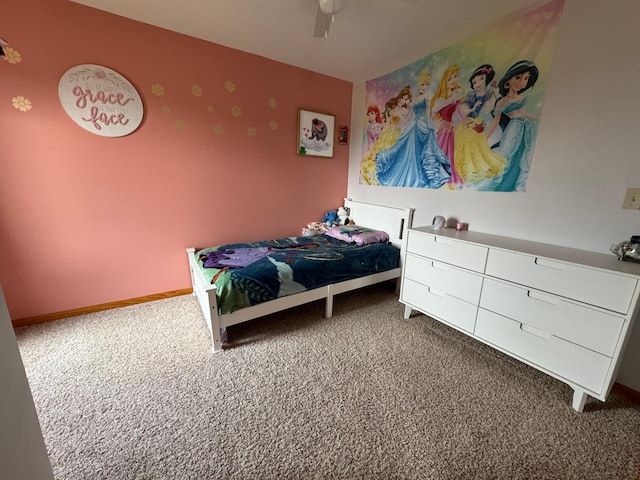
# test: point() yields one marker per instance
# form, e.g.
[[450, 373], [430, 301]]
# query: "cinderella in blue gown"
[[416, 159]]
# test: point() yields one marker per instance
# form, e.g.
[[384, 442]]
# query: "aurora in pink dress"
[[445, 116], [445, 135]]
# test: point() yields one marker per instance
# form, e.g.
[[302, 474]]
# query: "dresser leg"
[[407, 312], [579, 399]]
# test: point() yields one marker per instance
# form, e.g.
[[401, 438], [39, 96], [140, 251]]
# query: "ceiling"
[[368, 38]]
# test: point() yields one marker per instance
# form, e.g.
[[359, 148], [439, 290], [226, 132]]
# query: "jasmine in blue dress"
[[516, 146]]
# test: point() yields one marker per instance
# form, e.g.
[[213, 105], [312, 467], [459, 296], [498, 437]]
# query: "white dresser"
[[564, 311]]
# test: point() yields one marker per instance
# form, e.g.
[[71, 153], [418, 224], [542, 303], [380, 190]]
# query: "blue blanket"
[[247, 274]]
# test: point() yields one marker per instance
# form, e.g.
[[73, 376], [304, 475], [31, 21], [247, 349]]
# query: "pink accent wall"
[[86, 219]]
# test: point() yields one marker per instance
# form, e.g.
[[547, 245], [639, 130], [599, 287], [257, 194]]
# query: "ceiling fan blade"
[[323, 22]]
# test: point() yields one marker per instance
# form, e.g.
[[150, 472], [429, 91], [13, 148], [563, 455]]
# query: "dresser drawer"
[[462, 254], [571, 362], [596, 287], [444, 278], [452, 310], [590, 328]]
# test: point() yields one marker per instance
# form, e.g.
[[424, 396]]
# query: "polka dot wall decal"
[[230, 86], [166, 109], [196, 90], [157, 89], [21, 103], [251, 131], [11, 55], [181, 125], [236, 111], [272, 102], [210, 108], [273, 125], [218, 129]]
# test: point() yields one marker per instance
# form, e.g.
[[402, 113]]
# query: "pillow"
[[358, 235]]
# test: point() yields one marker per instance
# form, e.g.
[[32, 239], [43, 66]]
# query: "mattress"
[[247, 274]]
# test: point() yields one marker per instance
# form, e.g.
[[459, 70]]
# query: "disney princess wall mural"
[[466, 117]]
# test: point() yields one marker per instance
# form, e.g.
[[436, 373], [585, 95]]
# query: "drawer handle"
[[542, 298], [439, 266], [535, 331], [441, 240], [546, 263], [435, 292]]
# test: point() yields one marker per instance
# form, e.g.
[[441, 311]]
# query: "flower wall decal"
[[178, 100], [21, 103], [11, 55], [157, 89]]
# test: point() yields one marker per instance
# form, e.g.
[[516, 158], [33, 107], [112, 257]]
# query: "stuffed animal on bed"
[[343, 218], [337, 217], [331, 218]]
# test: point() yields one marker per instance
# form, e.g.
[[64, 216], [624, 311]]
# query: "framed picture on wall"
[[343, 135], [316, 132]]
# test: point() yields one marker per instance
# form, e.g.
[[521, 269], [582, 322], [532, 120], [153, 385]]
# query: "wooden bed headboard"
[[393, 220]]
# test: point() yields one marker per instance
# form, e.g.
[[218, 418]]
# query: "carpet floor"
[[136, 393]]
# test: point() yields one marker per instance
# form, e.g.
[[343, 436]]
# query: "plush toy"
[[343, 217], [331, 218]]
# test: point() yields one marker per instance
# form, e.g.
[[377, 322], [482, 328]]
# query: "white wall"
[[22, 451], [586, 154]]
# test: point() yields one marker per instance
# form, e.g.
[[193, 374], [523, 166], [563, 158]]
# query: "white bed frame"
[[393, 220]]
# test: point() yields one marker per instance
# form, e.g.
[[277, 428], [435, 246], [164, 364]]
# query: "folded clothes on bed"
[[357, 234]]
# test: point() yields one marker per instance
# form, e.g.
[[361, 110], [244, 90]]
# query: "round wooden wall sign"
[[100, 100]]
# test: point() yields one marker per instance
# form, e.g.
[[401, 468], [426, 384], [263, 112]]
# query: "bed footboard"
[[206, 295]]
